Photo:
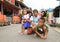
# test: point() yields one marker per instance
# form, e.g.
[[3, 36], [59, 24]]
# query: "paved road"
[[10, 34]]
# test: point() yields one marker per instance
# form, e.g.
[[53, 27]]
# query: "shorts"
[[26, 24]]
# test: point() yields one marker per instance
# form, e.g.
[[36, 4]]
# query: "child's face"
[[40, 14], [35, 13], [24, 12], [40, 22]]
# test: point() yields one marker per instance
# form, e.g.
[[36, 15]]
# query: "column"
[[1, 7]]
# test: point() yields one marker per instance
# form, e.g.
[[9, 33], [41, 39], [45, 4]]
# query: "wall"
[[58, 19]]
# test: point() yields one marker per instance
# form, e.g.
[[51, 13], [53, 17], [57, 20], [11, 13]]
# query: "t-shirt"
[[25, 16], [40, 29], [35, 19], [26, 24]]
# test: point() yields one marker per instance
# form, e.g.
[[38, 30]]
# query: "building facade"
[[9, 11]]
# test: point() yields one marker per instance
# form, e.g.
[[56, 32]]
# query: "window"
[[56, 12]]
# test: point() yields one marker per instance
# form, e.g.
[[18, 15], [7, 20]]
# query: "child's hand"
[[43, 37], [25, 20], [33, 26]]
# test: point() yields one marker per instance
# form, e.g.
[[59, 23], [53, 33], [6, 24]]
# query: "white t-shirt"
[[34, 19], [25, 16]]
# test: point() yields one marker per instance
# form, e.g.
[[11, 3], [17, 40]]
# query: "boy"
[[35, 17], [34, 20], [41, 29]]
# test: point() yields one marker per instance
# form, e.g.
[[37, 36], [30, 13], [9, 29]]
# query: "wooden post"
[[2, 14], [12, 12], [12, 15], [1, 7], [20, 6]]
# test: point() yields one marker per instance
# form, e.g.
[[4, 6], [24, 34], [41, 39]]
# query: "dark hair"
[[44, 13], [42, 19], [30, 12], [35, 10]]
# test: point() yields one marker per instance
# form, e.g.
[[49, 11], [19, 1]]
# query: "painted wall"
[[58, 19]]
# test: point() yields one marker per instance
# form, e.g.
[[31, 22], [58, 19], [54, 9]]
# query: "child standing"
[[41, 29], [25, 21]]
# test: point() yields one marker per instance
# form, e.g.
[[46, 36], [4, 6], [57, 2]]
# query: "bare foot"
[[20, 33]]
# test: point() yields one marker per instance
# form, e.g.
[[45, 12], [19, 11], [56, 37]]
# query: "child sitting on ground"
[[35, 17], [34, 20], [41, 29]]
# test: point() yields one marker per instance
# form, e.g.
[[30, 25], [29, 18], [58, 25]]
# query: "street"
[[10, 34]]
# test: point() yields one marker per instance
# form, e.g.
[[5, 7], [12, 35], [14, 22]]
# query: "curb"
[[57, 30]]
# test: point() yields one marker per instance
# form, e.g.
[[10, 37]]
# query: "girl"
[[25, 21]]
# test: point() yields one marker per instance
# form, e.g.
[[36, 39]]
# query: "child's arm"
[[28, 20], [35, 30], [23, 20], [43, 36], [40, 35], [45, 32]]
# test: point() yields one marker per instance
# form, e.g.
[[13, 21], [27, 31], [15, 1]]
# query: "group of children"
[[34, 23]]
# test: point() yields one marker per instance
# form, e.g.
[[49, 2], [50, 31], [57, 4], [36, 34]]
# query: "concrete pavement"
[[10, 34], [57, 29]]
